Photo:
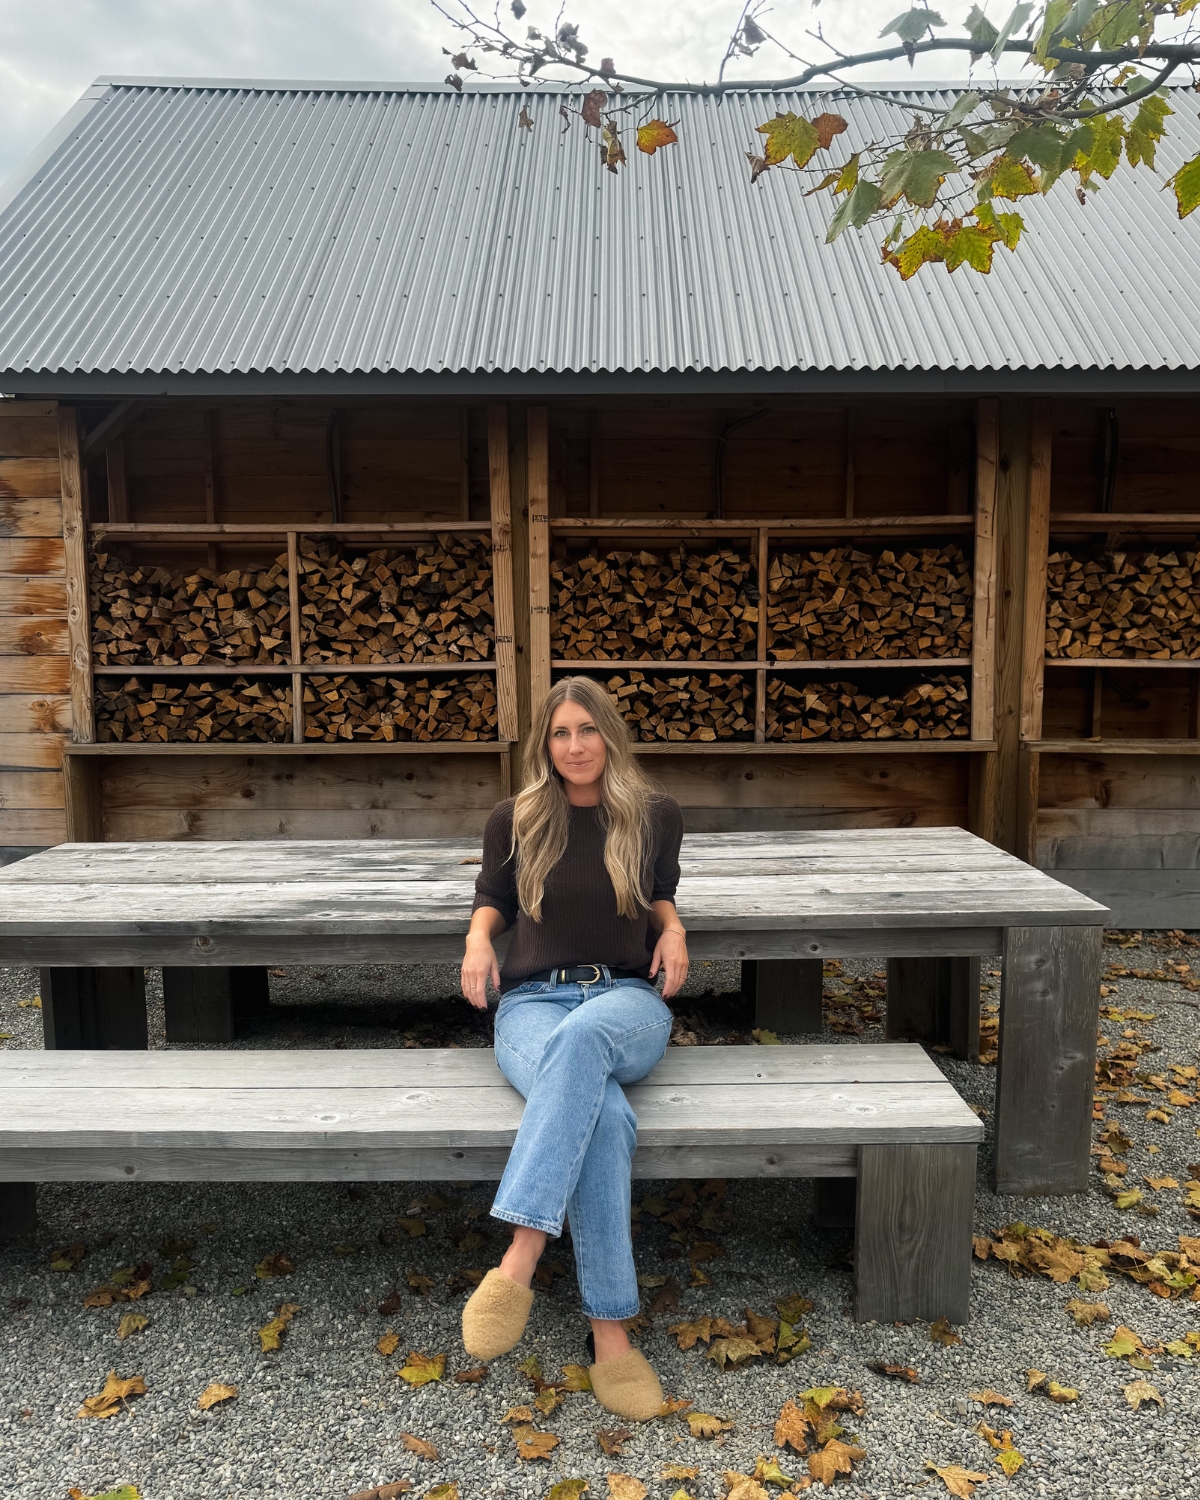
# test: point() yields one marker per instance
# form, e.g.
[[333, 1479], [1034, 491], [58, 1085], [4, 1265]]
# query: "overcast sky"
[[51, 50]]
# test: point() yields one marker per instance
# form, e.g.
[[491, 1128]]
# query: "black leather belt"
[[579, 974]]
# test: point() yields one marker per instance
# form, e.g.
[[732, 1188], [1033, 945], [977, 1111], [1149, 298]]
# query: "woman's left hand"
[[671, 956]]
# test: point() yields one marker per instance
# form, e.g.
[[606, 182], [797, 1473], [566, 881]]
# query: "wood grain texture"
[[75, 543], [1049, 1006], [1142, 898], [22, 518], [1037, 550], [81, 795], [28, 478], [785, 993], [44, 635], [538, 469], [33, 596], [30, 789], [32, 751], [26, 714], [500, 494], [33, 555], [983, 669], [912, 1233], [32, 828], [1012, 503], [198, 1005], [935, 1000], [35, 674], [100, 1009]]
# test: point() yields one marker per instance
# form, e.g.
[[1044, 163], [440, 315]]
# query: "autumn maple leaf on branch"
[[1097, 95]]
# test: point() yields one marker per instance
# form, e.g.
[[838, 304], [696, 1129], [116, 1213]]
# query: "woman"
[[585, 862]]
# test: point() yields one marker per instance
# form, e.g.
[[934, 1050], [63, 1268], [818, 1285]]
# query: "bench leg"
[[1049, 1010], [912, 1233], [18, 1209], [211, 1004], [102, 1009], [935, 1000], [833, 1202], [786, 993]]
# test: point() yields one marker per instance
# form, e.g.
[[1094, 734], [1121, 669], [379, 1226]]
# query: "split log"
[[1139, 605], [676, 606], [142, 711], [848, 602], [351, 707], [143, 615], [430, 601], [935, 709], [706, 707]]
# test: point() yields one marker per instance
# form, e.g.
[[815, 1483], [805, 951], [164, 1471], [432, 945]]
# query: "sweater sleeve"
[[496, 883], [669, 835]]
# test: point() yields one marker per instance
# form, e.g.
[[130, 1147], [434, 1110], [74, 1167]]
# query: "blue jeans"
[[567, 1049]]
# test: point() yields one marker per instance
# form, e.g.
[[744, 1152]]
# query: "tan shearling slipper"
[[495, 1316], [627, 1387]]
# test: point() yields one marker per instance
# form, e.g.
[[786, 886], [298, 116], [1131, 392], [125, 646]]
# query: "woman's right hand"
[[479, 962]]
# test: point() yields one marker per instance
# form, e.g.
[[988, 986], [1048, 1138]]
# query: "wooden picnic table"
[[930, 901]]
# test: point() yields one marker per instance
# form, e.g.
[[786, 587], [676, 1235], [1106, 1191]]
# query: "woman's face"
[[577, 747]]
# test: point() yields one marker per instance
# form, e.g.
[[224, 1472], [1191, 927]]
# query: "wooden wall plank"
[[500, 493], [29, 429], [983, 667], [28, 478], [31, 518], [33, 596], [35, 751], [1148, 782], [26, 714], [75, 540], [538, 488], [895, 786], [35, 674], [32, 555], [32, 827], [43, 635], [30, 789], [304, 823]]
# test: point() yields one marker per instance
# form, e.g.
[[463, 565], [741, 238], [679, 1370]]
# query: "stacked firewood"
[[937, 709], [845, 603], [1123, 603], [144, 711], [353, 707], [675, 605], [428, 601], [215, 615], [707, 706]]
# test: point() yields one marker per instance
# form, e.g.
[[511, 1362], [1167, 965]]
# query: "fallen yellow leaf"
[[420, 1369], [679, 1471], [626, 1487], [990, 1398], [215, 1392], [568, 1489], [419, 1446], [792, 1428], [702, 1425], [1139, 1391], [940, 1332], [834, 1459], [1087, 1313], [270, 1335], [274, 1265], [743, 1487], [108, 1402], [388, 1343], [958, 1481], [532, 1444], [131, 1323]]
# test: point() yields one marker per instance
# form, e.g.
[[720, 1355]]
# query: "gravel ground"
[[325, 1415]]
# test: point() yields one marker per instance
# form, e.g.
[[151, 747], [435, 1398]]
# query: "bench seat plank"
[[475, 1067]]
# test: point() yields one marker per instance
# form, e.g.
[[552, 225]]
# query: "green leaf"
[[1116, 23], [855, 209], [1078, 19], [1009, 227], [1043, 145], [1055, 13], [970, 246], [1101, 143], [1146, 130], [789, 135], [1008, 179], [1186, 183], [848, 176], [913, 24], [915, 175], [981, 30], [922, 246], [1020, 14], [959, 110]]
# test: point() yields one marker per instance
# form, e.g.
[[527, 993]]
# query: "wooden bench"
[[881, 1113]]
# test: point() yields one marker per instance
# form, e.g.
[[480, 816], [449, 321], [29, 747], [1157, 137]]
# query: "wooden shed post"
[[500, 490], [1012, 541], [538, 466], [1037, 550], [75, 545]]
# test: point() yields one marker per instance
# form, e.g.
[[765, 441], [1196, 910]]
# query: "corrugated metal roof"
[[175, 227]]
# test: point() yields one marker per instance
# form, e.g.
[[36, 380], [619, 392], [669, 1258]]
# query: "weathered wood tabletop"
[[922, 893]]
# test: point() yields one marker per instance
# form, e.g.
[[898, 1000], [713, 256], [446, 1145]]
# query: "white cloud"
[[51, 52]]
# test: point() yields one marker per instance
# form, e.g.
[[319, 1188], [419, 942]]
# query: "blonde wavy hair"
[[541, 813]]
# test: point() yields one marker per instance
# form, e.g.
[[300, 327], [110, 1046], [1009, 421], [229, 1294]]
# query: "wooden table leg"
[[786, 993], [1049, 1009], [912, 1233], [101, 1009], [934, 1000], [211, 1003], [18, 1209]]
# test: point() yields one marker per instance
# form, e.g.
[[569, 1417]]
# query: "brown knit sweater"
[[580, 922]]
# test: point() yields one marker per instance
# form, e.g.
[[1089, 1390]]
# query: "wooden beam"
[[121, 416], [75, 544], [1037, 550], [538, 466], [118, 494], [1012, 502], [500, 490], [983, 653]]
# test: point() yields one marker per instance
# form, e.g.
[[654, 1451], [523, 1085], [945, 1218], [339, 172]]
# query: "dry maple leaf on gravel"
[[442, 1492], [274, 1265], [989, 1398], [612, 1440], [1139, 1391], [743, 1487], [702, 1425], [834, 1459], [767, 1471], [109, 1401], [388, 1343], [958, 1481], [472, 1376], [532, 1444], [215, 1392], [420, 1368], [940, 1332], [1038, 1380], [626, 1487], [270, 1335], [679, 1471], [894, 1372], [792, 1428], [567, 1489], [131, 1323], [391, 1491], [420, 1446]]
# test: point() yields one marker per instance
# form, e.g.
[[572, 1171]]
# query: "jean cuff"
[[554, 1230], [612, 1317]]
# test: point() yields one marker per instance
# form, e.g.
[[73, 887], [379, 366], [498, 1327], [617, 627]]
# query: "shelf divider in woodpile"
[[79, 615], [538, 469], [983, 565]]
